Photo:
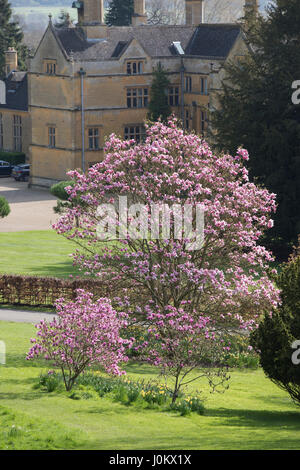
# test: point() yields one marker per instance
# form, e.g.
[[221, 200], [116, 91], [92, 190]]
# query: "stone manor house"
[[86, 81]]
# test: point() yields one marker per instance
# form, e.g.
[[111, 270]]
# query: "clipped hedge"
[[14, 158], [4, 207], [43, 291], [58, 190]]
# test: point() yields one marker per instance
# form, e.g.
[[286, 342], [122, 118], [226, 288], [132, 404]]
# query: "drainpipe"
[[182, 92], [82, 74]]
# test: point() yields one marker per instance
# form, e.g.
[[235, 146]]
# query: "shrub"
[[83, 392], [102, 385], [58, 190], [239, 353], [4, 207], [50, 381], [14, 158], [85, 333], [188, 405], [64, 203], [276, 333], [43, 291]]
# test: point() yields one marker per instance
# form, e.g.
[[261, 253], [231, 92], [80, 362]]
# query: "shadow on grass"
[[19, 360], [275, 399], [13, 381], [104, 410], [256, 430], [192, 443], [61, 270], [32, 395], [133, 367], [257, 418], [124, 408]]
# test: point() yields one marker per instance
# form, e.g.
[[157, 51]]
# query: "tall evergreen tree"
[[158, 105], [10, 36], [257, 112], [119, 13]]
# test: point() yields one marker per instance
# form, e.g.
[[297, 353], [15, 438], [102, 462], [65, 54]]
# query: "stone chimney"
[[139, 16], [194, 12], [93, 11], [91, 18], [11, 60]]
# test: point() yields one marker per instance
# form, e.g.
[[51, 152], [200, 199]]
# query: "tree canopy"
[[119, 13], [10, 36], [158, 106], [277, 337], [190, 287], [257, 112]]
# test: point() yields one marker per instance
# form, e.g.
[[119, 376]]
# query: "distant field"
[[40, 15]]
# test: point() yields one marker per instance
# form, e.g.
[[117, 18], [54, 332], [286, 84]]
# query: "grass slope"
[[253, 414]]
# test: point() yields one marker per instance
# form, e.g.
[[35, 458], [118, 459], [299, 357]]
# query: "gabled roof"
[[205, 40], [16, 91], [213, 40], [72, 39], [119, 48]]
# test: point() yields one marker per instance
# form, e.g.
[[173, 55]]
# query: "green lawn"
[[42, 253], [252, 414]]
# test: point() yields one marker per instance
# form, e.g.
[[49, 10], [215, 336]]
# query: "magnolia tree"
[[173, 230], [179, 342], [84, 333]]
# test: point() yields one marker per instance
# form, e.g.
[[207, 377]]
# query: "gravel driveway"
[[31, 209]]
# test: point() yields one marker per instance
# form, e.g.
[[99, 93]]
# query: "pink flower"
[[185, 296]]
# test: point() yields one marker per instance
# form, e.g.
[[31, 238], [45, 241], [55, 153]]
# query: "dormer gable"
[[131, 50], [50, 56]]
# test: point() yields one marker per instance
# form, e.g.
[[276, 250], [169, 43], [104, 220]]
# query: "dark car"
[[21, 172], [5, 168]]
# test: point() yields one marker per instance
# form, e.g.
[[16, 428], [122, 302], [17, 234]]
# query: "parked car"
[[5, 168], [21, 172]]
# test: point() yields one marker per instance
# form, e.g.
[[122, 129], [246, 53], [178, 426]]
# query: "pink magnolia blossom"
[[225, 281], [86, 332]]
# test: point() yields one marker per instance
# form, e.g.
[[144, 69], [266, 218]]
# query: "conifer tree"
[[10, 36], [158, 106], [119, 13], [277, 337], [257, 112], [63, 20]]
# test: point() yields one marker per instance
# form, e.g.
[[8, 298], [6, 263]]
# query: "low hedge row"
[[14, 158], [43, 291]]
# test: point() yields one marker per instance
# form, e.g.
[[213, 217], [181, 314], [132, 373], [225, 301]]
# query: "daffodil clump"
[[127, 391], [188, 405]]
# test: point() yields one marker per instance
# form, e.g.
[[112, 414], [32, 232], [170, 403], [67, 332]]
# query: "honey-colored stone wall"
[[8, 130], [55, 101]]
